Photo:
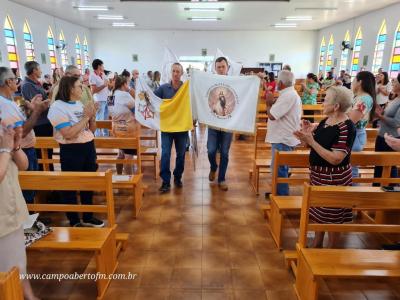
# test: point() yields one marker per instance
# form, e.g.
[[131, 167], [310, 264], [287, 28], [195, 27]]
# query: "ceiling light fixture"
[[298, 18], [316, 8], [285, 25], [92, 7], [204, 9], [204, 19], [110, 17], [123, 24]]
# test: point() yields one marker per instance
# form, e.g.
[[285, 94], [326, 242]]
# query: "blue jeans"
[[218, 139], [358, 146], [33, 166], [180, 139], [283, 171], [101, 115]]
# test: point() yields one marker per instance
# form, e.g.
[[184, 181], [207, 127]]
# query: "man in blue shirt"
[[167, 91]]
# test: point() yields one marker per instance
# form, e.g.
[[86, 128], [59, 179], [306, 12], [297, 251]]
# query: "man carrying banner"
[[168, 91], [284, 117], [218, 139]]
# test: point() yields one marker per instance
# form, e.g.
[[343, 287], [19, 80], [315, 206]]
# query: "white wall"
[[116, 46], [39, 24], [370, 25]]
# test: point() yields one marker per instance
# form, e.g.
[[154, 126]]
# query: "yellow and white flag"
[[167, 115]]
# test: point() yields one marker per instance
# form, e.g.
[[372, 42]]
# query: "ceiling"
[[238, 15]]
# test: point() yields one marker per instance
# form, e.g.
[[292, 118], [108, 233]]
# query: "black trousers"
[[81, 158], [44, 130], [380, 145]]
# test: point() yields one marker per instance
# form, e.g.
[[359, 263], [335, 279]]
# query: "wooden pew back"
[[300, 159], [71, 181], [354, 197]]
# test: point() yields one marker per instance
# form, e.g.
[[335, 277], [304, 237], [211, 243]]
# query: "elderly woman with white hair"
[[331, 143]]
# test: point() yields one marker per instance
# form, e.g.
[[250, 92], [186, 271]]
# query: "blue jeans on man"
[[102, 115], [180, 140], [219, 140], [33, 166], [283, 171]]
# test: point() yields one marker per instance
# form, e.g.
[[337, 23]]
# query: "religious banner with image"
[[226, 102]]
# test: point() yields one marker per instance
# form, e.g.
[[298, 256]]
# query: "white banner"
[[226, 102], [147, 105]]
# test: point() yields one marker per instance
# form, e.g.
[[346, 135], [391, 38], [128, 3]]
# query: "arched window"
[[63, 52], [329, 54], [29, 50], [322, 52], [9, 33], [86, 53], [52, 49], [379, 48], [344, 58], [395, 61], [78, 53], [355, 61]]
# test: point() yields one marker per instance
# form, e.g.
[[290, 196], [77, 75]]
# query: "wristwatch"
[[5, 150]]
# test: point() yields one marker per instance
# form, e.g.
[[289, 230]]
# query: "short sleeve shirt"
[[63, 114], [310, 98], [96, 80], [363, 104], [123, 116], [12, 116]]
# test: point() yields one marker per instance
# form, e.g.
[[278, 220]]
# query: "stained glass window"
[[9, 34], [395, 61], [86, 53], [78, 53], [29, 50], [329, 54], [322, 53], [345, 53], [52, 49], [379, 48], [355, 60], [63, 52]]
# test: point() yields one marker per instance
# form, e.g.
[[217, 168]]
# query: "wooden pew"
[[147, 135], [298, 162], [315, 265], [261, 158], [102, 241], [109, 143], [10, 285]]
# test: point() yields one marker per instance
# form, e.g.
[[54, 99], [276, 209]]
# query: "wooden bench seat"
[[314, 265], [102, 242], [298, 164], [10, 285], [135, 182]]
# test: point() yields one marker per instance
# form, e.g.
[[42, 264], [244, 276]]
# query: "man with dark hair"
[[149, 79], [167, 91], [218, 139], [99, 86]]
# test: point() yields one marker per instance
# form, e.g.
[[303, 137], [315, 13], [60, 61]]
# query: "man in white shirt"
[[99, 86], [284, 118]]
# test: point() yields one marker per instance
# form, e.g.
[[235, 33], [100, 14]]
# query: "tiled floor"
[[199, 243]]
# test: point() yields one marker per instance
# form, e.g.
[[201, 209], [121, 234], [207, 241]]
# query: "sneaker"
[[223, 186], [211, 176], [178, 183], [391, 246], [93, 222], [165, 187]]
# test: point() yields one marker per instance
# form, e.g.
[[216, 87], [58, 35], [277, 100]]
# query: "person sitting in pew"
[[331, 142], [74, 125], [13, 210], [123, 120]]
